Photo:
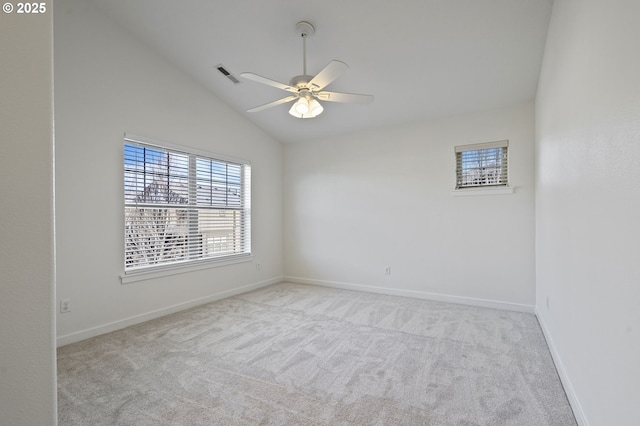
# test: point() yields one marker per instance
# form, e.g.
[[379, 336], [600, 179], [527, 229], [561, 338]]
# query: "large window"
[[483, 164], [183, 207]]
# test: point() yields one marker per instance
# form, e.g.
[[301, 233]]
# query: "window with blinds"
[[183, 207], [483, 164]]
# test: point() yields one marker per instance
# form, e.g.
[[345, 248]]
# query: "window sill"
[[482, 191], [134, 276]]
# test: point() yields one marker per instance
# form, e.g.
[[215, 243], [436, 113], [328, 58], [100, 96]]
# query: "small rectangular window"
[[183, 207], [481, 165]]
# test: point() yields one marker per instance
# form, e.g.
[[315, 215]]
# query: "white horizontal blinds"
[[484, 164], [156, 192], [220, 199], [182, 207], [154, 175], [218, 183]]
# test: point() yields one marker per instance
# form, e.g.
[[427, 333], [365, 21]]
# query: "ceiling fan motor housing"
[[301, 81]]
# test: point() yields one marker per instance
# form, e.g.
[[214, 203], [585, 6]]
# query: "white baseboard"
[[137, 319], [578, 412], [482, 303]]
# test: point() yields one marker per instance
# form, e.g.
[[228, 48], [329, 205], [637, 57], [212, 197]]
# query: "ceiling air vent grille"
[[227, 74]]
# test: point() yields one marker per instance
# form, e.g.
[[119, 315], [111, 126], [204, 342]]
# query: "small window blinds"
[[483, 164]]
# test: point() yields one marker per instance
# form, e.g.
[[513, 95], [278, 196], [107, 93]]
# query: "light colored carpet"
[[292, 354]]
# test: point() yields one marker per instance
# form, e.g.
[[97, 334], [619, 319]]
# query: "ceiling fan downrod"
[[305, 29]]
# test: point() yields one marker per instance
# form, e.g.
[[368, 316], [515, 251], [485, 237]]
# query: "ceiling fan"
[[305, 89]]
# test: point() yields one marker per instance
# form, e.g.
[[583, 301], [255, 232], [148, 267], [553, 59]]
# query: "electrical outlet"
[[258, 266], [387, 270], [65, 306]]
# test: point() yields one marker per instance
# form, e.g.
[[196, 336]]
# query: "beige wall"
[[27, 351]]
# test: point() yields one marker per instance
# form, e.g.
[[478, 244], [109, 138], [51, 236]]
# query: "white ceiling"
[[421, 59]]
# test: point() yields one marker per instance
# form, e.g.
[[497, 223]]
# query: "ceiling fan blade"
[[272, 104], [328, 74], [349, 98], [267, 81]]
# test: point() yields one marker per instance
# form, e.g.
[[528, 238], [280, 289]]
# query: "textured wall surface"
[[588, 204]]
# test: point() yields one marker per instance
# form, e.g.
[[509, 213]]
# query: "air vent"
[[227, 74]]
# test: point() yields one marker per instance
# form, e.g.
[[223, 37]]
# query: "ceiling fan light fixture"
[[295, 113], [315, 107], [305, 108], [302, 106]]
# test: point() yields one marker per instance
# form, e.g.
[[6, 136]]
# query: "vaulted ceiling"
[[421, 59]]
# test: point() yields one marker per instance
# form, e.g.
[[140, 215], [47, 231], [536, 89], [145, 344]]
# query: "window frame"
[[194, 247], [476, 151]]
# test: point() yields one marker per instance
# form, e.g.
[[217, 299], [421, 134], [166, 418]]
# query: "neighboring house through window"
[[183, 206]]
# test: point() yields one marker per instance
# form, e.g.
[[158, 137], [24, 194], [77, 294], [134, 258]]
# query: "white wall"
[[588, 205], [108, 83], [27, 349], [358, 203]]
